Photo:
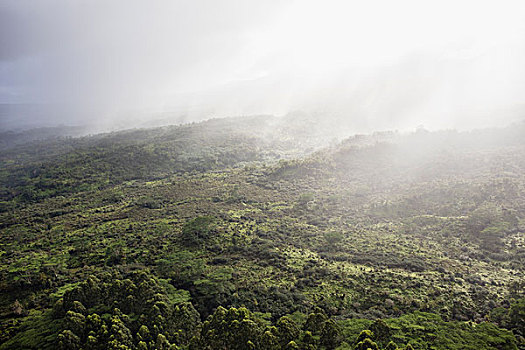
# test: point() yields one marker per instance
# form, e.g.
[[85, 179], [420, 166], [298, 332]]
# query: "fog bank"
[[369, 65]]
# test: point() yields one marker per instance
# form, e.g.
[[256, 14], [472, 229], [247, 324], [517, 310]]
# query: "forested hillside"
[[242, 233]]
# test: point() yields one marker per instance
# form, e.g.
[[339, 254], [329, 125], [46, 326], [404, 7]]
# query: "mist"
[[369, 66]]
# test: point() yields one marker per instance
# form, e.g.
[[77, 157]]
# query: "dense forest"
[[259, 233]]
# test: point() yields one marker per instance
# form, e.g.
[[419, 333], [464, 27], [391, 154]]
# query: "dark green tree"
[[366, 344], [68, 340], [308, 341], [75, 322], [365, 334], [186, 322], [330, 335], [517, 316], [287, 330], [381, 331], [391, 346], [315, 322], [197, 231], [120, 335], [230, 329], [268, 340], [162, 343], [143, 334]]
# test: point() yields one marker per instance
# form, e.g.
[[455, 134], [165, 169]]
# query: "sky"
[[374, 65]]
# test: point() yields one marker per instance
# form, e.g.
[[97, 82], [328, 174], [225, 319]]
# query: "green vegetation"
[[219, 235]]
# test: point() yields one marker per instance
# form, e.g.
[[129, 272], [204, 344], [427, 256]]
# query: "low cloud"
[[374, 65]]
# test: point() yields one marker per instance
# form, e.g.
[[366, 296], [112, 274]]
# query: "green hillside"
[[243, 234]]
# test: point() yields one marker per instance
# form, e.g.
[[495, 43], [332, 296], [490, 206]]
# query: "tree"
[[195, 232], [287, 330], [186, 321], [68, 340], [366, 344], [92, 343], [517, 316], [291, 346], [333, 238], [309, 342], [330, 335], [391, 346], [366, 334], [120, 334], [230, 329], [162, 343], [75, 322], [315, 322], [381, 331], [269, 341], [143, 334]]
